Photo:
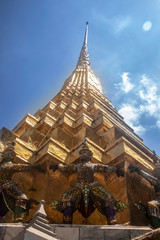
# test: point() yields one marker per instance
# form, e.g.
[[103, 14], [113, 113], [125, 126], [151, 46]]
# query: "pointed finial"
[[83, 60], [86, 35], [41, 212]]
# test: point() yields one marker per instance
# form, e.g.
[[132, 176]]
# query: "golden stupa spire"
[[86, 35], [83, 77], [83, 60]]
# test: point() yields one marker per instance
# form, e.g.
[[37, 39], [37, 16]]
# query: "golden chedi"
[[55, 135]]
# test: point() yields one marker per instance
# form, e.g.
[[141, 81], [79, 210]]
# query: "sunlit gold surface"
[[55, 134]]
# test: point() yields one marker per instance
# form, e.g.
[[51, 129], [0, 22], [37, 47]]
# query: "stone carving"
[[86, 195], [38, 227]]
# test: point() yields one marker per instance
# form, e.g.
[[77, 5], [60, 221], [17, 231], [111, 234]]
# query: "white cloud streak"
[[126, 84], [117, 24], [121, 23]]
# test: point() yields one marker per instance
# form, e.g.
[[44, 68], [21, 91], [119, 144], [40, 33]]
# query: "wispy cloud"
[[158, 123], [120, 23], [131, 116], [117, 23], [146, 102], [150, 97], [125, 85], [148, 91]]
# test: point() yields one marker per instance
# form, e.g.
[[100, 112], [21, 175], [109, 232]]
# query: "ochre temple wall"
[[138, 190], [51, 185]]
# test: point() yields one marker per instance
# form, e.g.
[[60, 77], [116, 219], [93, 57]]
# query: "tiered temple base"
[[77, 232]]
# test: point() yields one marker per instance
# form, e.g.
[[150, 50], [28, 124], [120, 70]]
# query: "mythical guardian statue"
[[11, 196], [152, 208], [86, 194]]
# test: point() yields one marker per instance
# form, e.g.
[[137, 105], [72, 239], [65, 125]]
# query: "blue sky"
[[40, 42]]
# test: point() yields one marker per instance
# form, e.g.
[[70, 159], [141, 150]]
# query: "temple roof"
[[82, 77]]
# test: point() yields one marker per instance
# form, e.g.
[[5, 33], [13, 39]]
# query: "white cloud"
[[148, 89], [150, 99], [150, 109], [131, 116], [147, 26], [145, 80], [126, 85], [158, 123], [129, 112], [149, 95], [144, 99], [139, 129]]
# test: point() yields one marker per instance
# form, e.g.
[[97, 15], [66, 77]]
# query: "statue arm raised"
[[105, 168], [18, 167], [66, 168], [63, 168], [152, 180]]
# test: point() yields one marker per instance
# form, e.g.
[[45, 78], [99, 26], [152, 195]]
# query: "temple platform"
[[75, 232]]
